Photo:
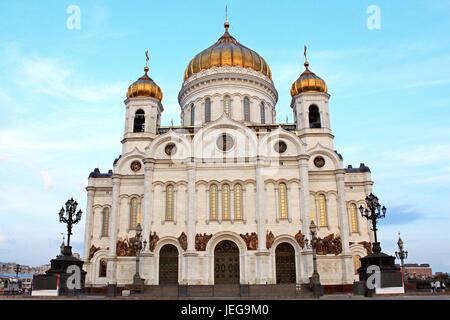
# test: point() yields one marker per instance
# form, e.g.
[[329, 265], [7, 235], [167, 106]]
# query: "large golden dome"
[[145, 87], [308, 82], [227, 51]]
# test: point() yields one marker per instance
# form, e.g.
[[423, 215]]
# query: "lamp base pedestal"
[[389, 275]]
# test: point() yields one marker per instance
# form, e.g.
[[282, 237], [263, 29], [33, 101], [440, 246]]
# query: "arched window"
[[356, 263], [207, 110], [262, 110], [134, 208], [192, 115], [213, 202], [314, 117], [227, 105], [238, 202], [322, 211], [246, 109], [169, 203], [105, 222], [354, 218], [139, 121], [226, 202], [103, 267], [282, 198]]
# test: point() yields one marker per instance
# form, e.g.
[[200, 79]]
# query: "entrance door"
[[168, 265], [285, 263], [226, 263]]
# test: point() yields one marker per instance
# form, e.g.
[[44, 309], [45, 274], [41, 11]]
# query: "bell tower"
[[310, 105], [143, 111]]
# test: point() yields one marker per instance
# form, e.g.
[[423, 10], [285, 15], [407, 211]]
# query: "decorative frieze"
[[182, 239], [270, 238], [153, 241], [251, 240], [92, 251], [300, 238], [201, 240], [125, 248], [329, 245]]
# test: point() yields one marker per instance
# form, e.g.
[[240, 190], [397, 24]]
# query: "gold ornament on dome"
[[308, 81], [227, 51], [145, 87]]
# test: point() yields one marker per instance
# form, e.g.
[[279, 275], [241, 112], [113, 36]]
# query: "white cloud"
[[52, 77], [47, 180]]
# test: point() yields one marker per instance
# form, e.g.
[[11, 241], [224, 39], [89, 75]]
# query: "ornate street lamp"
[[373, 212], [402, 255], [70, 218], [315, 279], [138, 245]]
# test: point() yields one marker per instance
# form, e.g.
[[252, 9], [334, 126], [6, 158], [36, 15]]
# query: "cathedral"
[[229, 195]]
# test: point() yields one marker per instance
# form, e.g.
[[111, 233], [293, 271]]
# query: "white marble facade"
[[252, 187]]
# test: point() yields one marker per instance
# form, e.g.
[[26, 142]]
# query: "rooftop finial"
[[305, 53], [146, 61], [226, 24]]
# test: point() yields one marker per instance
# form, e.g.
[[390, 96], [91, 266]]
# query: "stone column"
[[304, 192], [147, 214], [347, 261], [147, 219], [90, 276], [190, 275], [113, 230], [262, 254], [89, 220], [303, 165]]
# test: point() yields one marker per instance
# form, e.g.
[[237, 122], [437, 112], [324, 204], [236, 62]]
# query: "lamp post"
[[315, 279], [402, 255], [70, 218], [139, 245], [18, 269], [373, 212]]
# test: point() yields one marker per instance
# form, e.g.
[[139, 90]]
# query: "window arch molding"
[[105, 218], [322, 212], [262, 112], [282, 190], [134, 210], [102, 268], [353, 217], [314, 117], [227, 102], [213, 202], [139, 121], [170, 201], [207, 108], [246, 108], [192, 114]]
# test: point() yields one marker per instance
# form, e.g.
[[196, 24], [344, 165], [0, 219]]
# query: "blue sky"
[[62, 92]]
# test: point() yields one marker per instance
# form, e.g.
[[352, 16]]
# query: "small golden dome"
[[308, 82], [227, 51], [144, 87]]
